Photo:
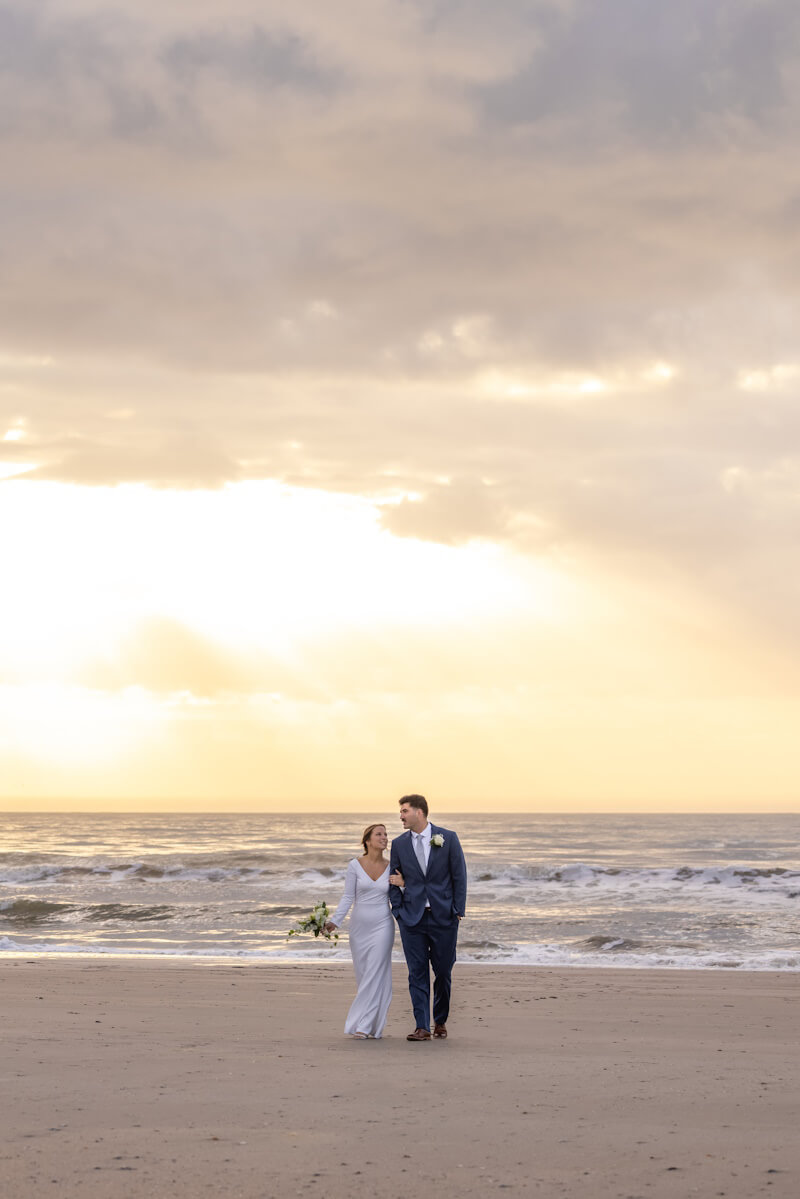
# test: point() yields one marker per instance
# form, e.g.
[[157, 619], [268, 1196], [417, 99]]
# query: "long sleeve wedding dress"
[[371, 939]]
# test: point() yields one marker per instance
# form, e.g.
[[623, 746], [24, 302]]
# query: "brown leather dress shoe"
[[439, 1030], [419, 1034]]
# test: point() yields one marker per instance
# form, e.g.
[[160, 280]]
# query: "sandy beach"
[[158, 1078]]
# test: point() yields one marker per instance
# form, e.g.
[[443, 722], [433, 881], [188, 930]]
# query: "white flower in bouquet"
[[315, 923]]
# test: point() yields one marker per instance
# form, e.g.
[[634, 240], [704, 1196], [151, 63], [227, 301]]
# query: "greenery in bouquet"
[[315, 923]]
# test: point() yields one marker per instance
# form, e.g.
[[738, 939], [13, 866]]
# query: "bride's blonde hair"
[[368, 831]]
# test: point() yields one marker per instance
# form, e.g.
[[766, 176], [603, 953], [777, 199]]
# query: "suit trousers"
[[429, 946]]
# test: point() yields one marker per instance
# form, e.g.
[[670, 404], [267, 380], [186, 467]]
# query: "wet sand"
[[159, 1078]]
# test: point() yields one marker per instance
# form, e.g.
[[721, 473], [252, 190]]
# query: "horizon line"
[[63, 811]]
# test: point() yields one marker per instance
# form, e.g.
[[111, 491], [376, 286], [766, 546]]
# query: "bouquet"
[[315, 923]]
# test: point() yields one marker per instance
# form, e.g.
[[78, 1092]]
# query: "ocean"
[[676, 891]]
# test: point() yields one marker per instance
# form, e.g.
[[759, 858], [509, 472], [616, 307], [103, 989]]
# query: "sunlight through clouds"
[[780, 375], [254, 565], [421, 395], [52, 721]]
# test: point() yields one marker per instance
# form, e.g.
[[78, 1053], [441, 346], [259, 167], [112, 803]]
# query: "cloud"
[[187, 462], [185, 189], [451, 512], [284, 251], [254, 57], [667, 74], [164, 656]]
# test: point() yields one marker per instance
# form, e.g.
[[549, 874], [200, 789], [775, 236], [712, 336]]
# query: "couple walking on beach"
[[424, 888]]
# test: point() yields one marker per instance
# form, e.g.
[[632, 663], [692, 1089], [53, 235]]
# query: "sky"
[[400, 396]]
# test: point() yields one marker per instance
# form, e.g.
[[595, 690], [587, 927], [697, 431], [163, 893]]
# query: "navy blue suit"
[[427, 912]]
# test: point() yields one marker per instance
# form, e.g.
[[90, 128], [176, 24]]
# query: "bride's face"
[[378, 838]]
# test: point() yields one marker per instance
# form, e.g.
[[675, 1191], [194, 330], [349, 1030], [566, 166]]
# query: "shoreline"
[[177, 959], [141, 1077]]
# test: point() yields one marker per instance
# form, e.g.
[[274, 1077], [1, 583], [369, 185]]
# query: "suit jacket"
[[443, 886]]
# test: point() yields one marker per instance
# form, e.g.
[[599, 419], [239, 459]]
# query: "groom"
[[428, 909]]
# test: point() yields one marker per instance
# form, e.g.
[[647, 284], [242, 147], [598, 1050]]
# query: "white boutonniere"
[[438, 840]]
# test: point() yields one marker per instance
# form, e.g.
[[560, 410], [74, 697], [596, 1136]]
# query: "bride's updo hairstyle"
[[368, 831]]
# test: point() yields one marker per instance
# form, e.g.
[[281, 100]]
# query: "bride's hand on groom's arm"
[[397, 879]]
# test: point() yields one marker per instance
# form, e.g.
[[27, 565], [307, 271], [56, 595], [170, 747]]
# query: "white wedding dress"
[[371, 939]]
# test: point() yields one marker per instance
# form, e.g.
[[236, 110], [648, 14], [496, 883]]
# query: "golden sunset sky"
[[400, 395]]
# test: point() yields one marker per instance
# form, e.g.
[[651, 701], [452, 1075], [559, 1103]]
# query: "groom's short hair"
[[416, 801]]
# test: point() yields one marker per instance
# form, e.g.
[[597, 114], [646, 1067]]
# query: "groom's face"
[[412, 818]]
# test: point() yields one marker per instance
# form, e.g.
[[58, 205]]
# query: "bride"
[[366, 890]]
